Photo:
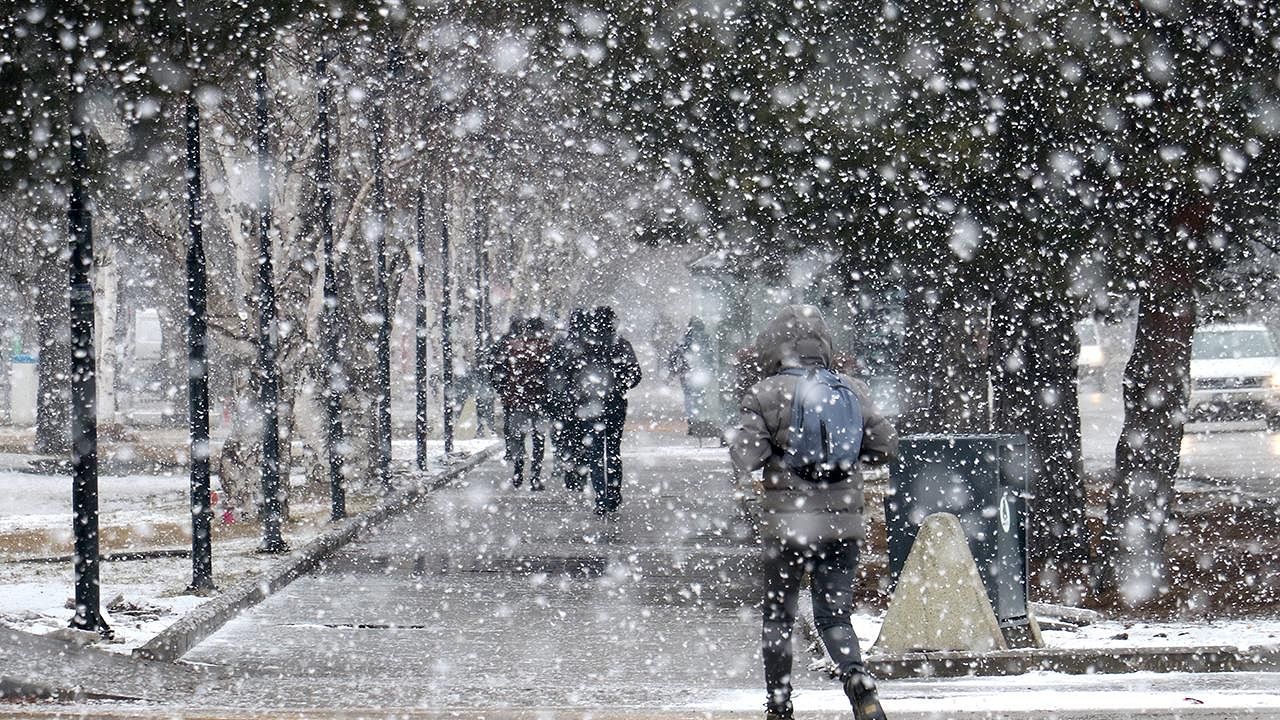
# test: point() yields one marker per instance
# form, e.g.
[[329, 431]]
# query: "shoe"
[[861, 691], [784, 713], [516, 481], [535, 485]]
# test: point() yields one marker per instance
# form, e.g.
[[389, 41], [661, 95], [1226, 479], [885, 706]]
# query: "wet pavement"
[[487, 595]]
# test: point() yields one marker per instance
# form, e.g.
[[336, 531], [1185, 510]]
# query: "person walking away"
[[609, 370], [520, 377], [691, 360], [567, 356], [484, 389], [810, 431]]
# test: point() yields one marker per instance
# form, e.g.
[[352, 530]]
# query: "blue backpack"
[[825, 438]]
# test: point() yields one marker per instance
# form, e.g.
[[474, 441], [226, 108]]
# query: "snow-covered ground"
[[1115, 634], [1049, 693], [140, 597], [1240, 634], [36, 501]]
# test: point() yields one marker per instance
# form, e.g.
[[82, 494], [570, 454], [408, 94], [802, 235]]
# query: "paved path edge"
[[1082, 661], [176, 640], [35, 667]]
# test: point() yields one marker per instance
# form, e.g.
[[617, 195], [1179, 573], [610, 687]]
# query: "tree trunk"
[[268, 332], [108, 287], [943, 380], [53, 371], [1034, 359], [1156, 389]]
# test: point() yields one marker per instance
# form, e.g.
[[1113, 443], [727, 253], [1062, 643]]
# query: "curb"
[[123, 556], [1077, 661], [35, 667], [176, 640], [14, 690]]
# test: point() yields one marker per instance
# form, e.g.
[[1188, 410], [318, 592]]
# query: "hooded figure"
[[567, 356], [692, 360], [520, 371], [608, 371], [792, 508], [808, 529]]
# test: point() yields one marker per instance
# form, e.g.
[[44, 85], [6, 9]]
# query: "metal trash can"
[[981, 479]]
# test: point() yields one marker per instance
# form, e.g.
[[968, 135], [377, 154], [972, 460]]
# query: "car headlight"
[[1275, 378]]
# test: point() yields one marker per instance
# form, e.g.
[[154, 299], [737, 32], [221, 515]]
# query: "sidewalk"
[[487, 595], [145, 526], [487, 601]]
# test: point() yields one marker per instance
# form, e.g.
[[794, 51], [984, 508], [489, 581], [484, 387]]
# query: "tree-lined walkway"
[[489, 596]]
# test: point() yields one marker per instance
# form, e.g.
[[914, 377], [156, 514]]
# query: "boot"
[[861, 691], [779, 713]]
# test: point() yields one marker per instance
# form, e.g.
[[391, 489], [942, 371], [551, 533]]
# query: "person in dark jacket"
[[692, 361], [567, 354], [599, 387], [807, 529], [520, 377]]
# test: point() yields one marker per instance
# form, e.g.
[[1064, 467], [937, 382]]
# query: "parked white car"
[[1235, 373], [1092, 360]]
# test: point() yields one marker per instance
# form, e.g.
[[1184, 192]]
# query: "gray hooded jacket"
[[791, 508]]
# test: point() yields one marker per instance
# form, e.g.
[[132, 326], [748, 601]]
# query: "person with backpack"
[[811, 431], [520, 377], [607, 371], [567, 354]]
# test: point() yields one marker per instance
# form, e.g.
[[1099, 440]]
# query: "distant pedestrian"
[[607, 371], [520, 377], [811, 431], [568, 353], [692, 361], [482, 382]]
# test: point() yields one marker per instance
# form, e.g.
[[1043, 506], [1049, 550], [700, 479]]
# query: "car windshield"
[[1224, 344]]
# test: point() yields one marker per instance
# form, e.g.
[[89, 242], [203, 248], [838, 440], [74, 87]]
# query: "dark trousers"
[[517, 424], [601, 460], [831, 567], [566, 434]]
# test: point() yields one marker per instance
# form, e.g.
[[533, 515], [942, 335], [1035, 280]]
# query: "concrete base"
[[940, 603], [1077, 661]]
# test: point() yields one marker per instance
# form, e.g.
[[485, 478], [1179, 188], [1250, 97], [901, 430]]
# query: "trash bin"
[[23, 387], [982, 480]]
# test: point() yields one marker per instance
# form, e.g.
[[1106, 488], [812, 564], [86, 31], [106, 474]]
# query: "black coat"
[[619, 357]]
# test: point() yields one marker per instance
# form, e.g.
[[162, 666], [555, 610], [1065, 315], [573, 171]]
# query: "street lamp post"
[[486, 304], [479, 373], [268, 379], [381, 299], [422, 423], [446, 341], [84, 390], [334, 371], [198, 362]]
